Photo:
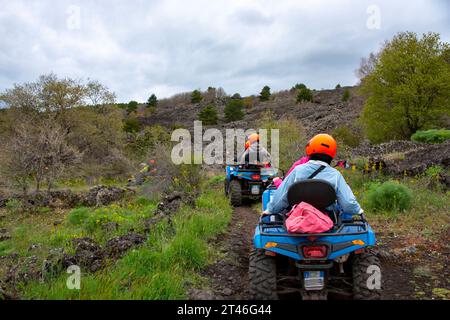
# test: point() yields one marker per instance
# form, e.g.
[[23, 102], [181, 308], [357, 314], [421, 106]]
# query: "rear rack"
[[264, 225]]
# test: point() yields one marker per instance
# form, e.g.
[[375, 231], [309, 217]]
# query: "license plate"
[[255, 190], [314, 280]]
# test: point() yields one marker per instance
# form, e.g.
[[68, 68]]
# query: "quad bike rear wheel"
[[235, 193], [262, 276], [365, 267]]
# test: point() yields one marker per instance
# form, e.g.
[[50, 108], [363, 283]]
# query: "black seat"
[[316, 192]]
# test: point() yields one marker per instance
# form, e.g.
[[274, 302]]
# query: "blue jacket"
[[346, 200]]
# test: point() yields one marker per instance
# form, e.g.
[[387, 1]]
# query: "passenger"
[[277, 181]]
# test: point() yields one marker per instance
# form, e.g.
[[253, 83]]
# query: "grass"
[[427, 216], [49, 228], [162, 268]]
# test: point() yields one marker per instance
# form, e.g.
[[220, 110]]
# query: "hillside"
[[326, 113]]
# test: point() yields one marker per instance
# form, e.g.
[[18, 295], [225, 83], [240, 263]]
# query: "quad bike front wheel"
[[366, 271], [262, 275], [235, 193]]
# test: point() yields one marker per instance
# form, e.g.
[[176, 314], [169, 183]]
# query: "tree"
[[152, 101], [51, 118], [292, 137], [407, 85], [347, 136], [196, 96], [299, 86], [346, 95], [39, 151], [304, 94], [233, 110], [208, 115], [265, 94], [132, 107], [236, 96], [98, 94], [338, 86]]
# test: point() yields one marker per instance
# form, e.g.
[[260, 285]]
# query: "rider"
[[255, 153], [321, 150]]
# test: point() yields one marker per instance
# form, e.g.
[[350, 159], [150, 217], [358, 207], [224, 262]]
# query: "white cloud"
[[138, 47]]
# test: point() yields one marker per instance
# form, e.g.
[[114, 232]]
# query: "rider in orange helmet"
[[254, 153], [321, 150]]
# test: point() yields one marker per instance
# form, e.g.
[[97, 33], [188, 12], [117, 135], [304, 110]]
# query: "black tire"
[[262, 271], [235, 193], [361, 273]]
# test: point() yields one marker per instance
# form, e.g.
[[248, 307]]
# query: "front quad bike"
[[338, 263], [247, 182]]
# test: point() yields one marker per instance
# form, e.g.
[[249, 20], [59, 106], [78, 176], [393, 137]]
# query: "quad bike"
[[247, 182], [338, 263]]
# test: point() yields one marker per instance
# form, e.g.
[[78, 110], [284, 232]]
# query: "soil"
[[409, 272]]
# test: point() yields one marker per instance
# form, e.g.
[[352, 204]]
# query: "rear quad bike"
[[336, 264], [247, 182]]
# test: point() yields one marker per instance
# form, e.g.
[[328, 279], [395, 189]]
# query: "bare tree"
[[98, 94], [39, 152], [367, 65]]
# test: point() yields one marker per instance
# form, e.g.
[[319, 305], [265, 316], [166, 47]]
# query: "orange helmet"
[[322, 143], [253, 138]]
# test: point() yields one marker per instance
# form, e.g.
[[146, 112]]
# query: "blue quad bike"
[[335, 264], [246, 181]]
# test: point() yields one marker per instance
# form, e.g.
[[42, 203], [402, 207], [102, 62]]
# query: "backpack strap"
[[315, 173]]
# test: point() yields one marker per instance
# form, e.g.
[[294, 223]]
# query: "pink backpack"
[[304, 218]]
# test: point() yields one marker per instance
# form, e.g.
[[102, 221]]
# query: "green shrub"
[[305, 94], [146, 140], [247, 102], [216, 180], [431, 136], [13, 205], [347, 136], [265, 94], [389, 196], [346, 95], [196, 96], [44, 210], [208, 115], [233, 110], [132, 106], [131, 125], [78, 216]]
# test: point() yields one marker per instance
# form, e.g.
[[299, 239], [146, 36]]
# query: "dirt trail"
[[229, 275]]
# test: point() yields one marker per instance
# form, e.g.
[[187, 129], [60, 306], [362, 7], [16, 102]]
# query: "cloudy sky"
[[138, 47]]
